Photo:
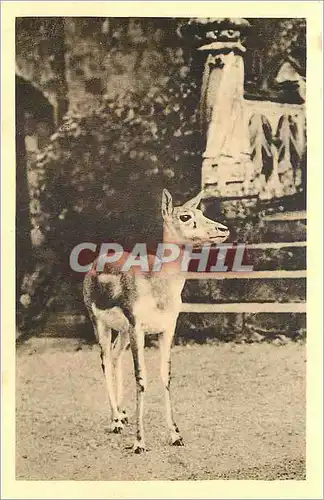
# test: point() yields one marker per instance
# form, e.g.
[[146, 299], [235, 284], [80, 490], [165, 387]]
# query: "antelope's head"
[[187, 224]]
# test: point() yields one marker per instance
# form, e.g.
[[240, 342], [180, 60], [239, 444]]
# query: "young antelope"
[[135, 304]]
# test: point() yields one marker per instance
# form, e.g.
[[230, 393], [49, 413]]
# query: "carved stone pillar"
[[227, 169]]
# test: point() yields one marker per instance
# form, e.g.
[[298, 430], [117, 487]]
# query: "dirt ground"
[[240, 408]]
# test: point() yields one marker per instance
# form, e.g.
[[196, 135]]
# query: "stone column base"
[[226, 178], [230, 187]]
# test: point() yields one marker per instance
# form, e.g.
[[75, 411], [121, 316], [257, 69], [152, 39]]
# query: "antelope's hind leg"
[[104, 337]]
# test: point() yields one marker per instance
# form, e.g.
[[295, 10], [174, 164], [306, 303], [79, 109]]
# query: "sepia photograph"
[[155, 130], [160, 248]]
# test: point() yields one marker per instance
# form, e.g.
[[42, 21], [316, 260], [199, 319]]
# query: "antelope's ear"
[[167, 206], [194, 202]]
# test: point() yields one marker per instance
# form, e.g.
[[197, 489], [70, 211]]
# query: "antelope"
[[138, 304]]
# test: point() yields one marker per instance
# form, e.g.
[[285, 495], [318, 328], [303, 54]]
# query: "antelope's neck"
[[170, 237]]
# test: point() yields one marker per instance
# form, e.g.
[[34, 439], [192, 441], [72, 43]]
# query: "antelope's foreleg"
[[165, 341], [137, 347]]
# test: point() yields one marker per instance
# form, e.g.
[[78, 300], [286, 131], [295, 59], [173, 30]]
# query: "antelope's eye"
[[185, 218]]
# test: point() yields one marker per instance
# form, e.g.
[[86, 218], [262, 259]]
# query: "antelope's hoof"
[[124, 418], [117, 426], [178, 442], [139, 448]]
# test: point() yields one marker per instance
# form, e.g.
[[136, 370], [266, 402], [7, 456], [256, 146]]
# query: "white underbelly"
[[150, 320], [153, 319]]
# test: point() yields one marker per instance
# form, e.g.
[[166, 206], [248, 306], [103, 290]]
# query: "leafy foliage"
[[103, 173]]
